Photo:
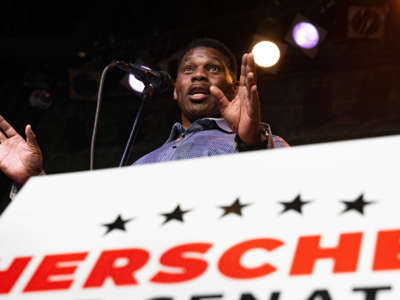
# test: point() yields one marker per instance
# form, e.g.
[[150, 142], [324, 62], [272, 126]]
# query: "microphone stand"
[[96, 117], [147, 94]]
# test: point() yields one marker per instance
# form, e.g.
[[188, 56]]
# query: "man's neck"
[[185, 122]]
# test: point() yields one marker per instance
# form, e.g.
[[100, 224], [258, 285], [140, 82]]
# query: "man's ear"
[[175, 95]]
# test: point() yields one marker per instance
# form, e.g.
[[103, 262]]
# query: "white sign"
[[305, 223]]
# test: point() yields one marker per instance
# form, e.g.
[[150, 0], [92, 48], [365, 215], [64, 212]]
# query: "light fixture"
[[366, 22], [136, 85], [40, 98], [268, 53], [132, 83], [305, 35], [38, 84]]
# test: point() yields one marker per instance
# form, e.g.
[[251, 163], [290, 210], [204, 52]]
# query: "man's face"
[[201, 67]]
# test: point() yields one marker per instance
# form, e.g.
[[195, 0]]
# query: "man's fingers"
[[2, 137], [252, 104], [220, 96], [7, 128], [242, 80], [30, 136], [250, 81], [249, 68], [252, 65]]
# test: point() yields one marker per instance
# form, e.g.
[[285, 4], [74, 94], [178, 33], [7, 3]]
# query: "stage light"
[[41, 99], [366, 22], [82, 54], [135, 84], [305, 35], [37, 82], [266, 54]]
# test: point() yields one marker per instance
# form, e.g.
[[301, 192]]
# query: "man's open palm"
[[19, 158], [243, 112]]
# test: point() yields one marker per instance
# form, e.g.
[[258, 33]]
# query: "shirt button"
[[174, 146]]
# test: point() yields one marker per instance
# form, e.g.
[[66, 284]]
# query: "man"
[[218, 115], [206, 90]]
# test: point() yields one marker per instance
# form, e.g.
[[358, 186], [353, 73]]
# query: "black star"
[[357, 205], [177, 214], [117, 224], [296, 205], [234, 208]]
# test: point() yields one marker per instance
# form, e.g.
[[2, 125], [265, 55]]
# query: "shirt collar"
[[199, 125]]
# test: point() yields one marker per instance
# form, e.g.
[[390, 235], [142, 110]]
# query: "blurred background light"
[[266, 54], [40, 99], [136, 84], [305, 35]]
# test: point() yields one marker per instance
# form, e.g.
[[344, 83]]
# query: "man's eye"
[[213, 68], [187, 69]]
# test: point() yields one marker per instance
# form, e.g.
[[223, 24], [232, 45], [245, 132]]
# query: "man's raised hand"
[[243, 112], [19, 159]]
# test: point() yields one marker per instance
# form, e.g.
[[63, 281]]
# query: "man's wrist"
[[266, 140], [19, 184], [242, 146]]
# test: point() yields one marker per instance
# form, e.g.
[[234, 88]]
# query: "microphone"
[[159, 81]]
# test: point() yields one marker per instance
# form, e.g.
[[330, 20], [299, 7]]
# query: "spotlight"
[[41, 99], [38, 85], [268, 53], [135, 84], [130, 82], [305, 35], [366, 22]]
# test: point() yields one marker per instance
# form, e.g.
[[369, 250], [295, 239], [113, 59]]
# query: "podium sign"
[[303, 223]]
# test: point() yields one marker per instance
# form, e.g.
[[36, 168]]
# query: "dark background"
[[349, 90]]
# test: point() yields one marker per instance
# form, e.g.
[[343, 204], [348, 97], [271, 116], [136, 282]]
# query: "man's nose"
[[199, 74]]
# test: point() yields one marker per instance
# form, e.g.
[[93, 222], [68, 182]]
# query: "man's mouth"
[[199, 93]]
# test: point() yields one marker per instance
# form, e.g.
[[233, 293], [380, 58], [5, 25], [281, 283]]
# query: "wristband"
[[268, 143]]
